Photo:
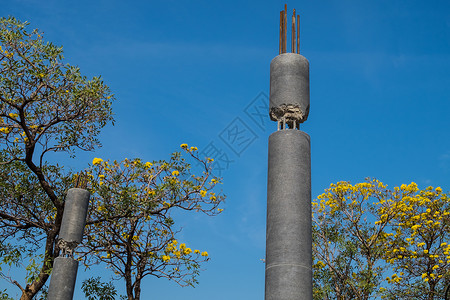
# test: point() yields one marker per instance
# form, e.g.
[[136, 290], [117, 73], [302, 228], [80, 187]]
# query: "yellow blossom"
[[96, 161], [5, 130], [194, 148], [203, 193], [184, 146], [13, 115], [204, 253], [175, 173], [320, 264], [165, 258]]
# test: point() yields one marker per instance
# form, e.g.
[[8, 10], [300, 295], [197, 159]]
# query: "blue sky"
[[184, 71]]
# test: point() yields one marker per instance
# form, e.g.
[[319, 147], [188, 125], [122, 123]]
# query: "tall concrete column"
[[288, 240], [289, 229], [62, 281]]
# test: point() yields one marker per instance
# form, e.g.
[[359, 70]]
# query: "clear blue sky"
[[183, 71]]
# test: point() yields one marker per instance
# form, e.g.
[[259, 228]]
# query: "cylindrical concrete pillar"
[[63, 278], [289, 237], [74, 217], [64, 274], [289, 88]]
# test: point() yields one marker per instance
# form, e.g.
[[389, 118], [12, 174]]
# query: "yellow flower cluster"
[[319, 265], [343, 195], [97, 161], [174, 251], [5, 130], [186, 147], [394, 278]]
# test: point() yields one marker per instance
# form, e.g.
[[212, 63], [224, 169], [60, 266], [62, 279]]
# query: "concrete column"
[[64, 274], [74, 217], [289, 237]]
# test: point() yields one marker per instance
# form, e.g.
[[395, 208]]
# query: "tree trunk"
[[137, 289], [50, 253]]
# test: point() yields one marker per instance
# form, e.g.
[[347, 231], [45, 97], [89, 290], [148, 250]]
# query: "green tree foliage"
[[372, 242], [94, 289], [47, 106], [131, 228]]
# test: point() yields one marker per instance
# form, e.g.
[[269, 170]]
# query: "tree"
[[346, 241], [47, 106], [94, 289], [418, 249], [371, 242], [131, 229]]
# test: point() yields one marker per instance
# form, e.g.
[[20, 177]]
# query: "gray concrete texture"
[[289, 88], [289, 237], [74, 217], [63, 279]]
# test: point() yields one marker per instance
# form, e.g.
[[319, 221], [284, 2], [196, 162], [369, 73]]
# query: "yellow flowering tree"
[[417, 248], [131, 228], [371, 242], [346, 242], [46, 106]]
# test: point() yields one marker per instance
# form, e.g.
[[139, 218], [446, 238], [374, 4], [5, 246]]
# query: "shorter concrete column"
[[64, 275], [74, 217]]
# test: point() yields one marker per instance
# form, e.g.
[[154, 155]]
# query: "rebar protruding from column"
[[298, 34], [295, 32]]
